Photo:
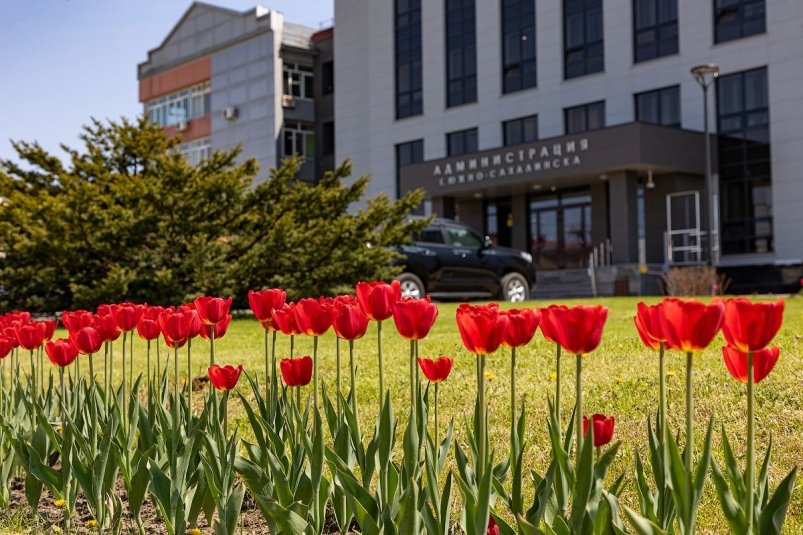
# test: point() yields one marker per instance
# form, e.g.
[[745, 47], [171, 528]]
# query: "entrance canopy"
[[560, 162]]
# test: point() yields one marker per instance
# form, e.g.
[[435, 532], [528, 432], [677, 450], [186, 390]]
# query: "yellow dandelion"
[[194, 531], [60, 502], [553, 376], [670, 373], [489, 375], [618, 379], [91, 523], [59, 429]]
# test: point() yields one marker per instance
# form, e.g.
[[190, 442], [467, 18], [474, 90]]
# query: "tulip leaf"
[[734, 514], [774, 513], [643, 526]]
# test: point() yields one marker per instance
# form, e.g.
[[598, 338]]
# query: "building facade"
[[223, 77], [567, 127]]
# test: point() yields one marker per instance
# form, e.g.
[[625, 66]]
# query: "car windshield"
[[462, 237]]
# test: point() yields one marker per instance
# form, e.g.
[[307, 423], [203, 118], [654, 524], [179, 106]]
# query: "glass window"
[[579, 119], [523, 130], [462, 237], [518, 45], [328, 77], [407, 153], [745, 168], [583, 51], [183, 105], [661, 106], [299, 139], [461, 142], [298, 80], [655, 29], [734, 19], [328, 138], [196, 151], [461, 57], [409, 81], [430, 235]]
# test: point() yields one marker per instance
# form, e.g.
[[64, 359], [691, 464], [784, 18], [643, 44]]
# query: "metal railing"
[[689, 247], [600, 255]]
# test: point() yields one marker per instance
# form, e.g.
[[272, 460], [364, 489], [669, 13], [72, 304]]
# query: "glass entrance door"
[[499, 221], [560, 230]]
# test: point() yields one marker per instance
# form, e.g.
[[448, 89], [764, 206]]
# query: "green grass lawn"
[[620, 379]]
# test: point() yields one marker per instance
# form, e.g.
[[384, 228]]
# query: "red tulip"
[[648, 324], [148, 326], [749, 326], [50, 329], [126, 315], [521, 326], [313, 316], [296, 372], [11, 334], [87, 340], [74, 320], [763, 362], [31, 335], [690, 325], [284, 319], [264, 302], [224, 377], [104, 310], [493, 529], [578, 329], [62, 352], [220, 328], [414, 317], [194, 318], [106, 327], [212, 309], [6, 345], [175, 326], [349, 320], [546, 325], [436, 371], [481, 327], [378, 298], [603, 428]]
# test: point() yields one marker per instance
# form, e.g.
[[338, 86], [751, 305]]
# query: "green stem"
[[315, 373], [436, 416], [751, 477], [131, 362], [353, 385], [662, 393], [125, 392], [148, 364], [175, 390], [292, 345], [557, 384], [32, 375], [337, 373], [267, 366], [274, 391], [412, 375], [188, 382], [111, 370], [482, 443], [158, 367], [63, 398], [106, 373], [689, 414], [226, 414], [381, 365], [512, 395], [579, 410], [211, 352]]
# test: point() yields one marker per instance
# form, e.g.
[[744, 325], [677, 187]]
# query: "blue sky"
[[65, 61]]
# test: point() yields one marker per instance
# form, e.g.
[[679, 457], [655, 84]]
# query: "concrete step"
[[562, 284]]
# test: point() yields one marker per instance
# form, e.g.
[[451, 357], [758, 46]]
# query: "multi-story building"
[[564, 126], [222, 78]]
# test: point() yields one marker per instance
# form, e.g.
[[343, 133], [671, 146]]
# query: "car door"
[[426, 257], [470, 272]]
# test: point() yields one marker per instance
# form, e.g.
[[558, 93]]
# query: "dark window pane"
[[744, 161], [408, 58], [655, 31], [461, 142], [586, 117], [406, 154], [734, 19], [582, 38], [461, 57], [518, 45]]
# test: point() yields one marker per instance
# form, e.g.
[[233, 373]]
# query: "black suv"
[[449, 259]]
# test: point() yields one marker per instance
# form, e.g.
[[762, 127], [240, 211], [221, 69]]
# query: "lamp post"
[[705, 75]]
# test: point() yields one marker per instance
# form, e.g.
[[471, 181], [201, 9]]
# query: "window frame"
[[300, 132], [659, 92], [463, 133], [740, 9], [464, 45], [407, 31], [305, 80], [507, 142], [521, 29], [586, 108], [656, 27], [587, 44]]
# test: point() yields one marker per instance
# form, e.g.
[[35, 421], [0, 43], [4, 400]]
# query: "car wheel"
[[411, 286], [515, 288]]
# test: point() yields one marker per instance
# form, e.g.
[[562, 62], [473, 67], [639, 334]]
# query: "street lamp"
[[705, 75]]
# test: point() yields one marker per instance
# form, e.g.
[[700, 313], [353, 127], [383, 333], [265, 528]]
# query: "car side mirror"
[[487, 242]]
